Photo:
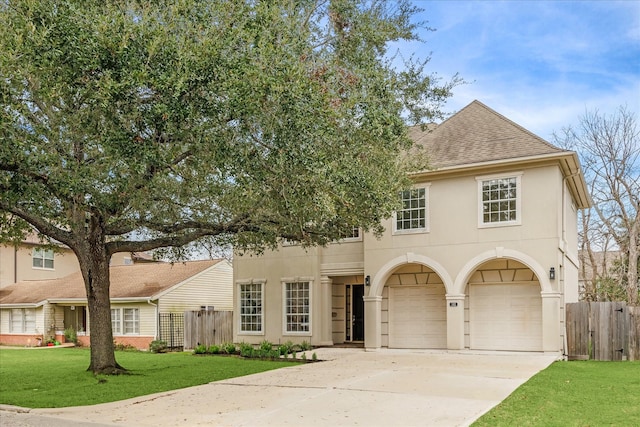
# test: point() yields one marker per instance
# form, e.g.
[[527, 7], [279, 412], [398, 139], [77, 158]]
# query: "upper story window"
[[353, 235], [42, 258], [251, 315], [413, 215], [500, 200]]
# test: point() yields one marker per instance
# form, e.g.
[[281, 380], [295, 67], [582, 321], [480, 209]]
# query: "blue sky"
[[540, 63]]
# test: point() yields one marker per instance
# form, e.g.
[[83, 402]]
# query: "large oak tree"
[[134, 125]]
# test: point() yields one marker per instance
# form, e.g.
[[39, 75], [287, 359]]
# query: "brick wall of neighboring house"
[[22, 340], [139, 342], [84, 340]]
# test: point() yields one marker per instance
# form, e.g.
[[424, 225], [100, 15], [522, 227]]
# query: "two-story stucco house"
[[483, 254]]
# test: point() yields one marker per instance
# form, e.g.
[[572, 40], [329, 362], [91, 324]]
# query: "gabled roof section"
[[138, 281], [478, 134]]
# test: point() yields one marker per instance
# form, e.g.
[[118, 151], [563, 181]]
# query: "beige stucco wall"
[[454, 247], [65, 263]]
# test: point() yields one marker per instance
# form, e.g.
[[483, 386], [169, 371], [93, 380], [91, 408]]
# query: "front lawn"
[[54, 378], [586, 393]]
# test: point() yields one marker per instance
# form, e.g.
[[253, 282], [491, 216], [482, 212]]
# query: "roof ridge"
[[505, 118]]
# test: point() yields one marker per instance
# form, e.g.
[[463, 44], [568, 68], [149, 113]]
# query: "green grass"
[[587, 393], [55, 378]]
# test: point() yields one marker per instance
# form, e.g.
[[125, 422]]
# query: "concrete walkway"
[[350, 387]]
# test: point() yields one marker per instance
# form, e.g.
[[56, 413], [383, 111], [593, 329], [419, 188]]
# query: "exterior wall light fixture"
[[552, 273], [367, 281]]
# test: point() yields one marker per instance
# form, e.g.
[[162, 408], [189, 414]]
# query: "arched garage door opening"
[[414, 309], [505, 307]]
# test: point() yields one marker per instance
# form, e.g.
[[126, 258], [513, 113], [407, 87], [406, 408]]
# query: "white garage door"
[[417, 317], [505, 317]]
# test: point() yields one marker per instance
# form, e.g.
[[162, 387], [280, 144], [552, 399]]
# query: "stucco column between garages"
[[372, 322], [455, 321]]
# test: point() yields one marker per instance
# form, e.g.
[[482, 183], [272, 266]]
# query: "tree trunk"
[[632, 272], [94, 264]]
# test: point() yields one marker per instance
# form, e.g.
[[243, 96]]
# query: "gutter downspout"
[[157, 323], [15, 264], [565, 343]]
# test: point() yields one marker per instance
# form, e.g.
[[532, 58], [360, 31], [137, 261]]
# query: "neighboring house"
[[31, 311], [31, 260], [483, 254]]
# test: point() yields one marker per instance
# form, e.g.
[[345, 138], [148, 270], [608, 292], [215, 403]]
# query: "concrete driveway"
[[350, 387]]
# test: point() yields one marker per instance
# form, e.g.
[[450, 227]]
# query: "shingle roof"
[[478, 134], [127, 281]]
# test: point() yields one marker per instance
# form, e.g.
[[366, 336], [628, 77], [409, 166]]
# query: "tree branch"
[[40, 224]]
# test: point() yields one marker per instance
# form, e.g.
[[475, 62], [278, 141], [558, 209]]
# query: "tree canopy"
[[130, 126], [609, 149]]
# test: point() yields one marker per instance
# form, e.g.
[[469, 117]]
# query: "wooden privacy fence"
[[207, 327], [603, 331]]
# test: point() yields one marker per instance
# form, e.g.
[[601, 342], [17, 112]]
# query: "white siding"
[[212, 287], [148, 319], [4, 321], [5, 316]]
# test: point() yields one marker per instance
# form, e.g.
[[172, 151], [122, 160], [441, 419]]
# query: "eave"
[[567, 161]]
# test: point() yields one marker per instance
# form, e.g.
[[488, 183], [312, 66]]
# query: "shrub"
[[123, 347], [200, 349], [285, 348], [214, 349], [246, 350], [305, 346], [70, 335], [266, 346], [229, 348], [158, 346], [314, 357]]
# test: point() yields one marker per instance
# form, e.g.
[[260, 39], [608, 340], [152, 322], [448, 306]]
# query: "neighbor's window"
[[116, 321], [42, 258], [500, 200], [297, 307], [251, 307], [131, 321], [413, 215], [125, 321], [22, 320]]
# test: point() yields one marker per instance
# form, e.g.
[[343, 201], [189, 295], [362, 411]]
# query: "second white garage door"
[[417, 317], [505, 317]]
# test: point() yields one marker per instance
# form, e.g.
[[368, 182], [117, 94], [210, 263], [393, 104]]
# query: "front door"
[[355, 314], [75, 317]]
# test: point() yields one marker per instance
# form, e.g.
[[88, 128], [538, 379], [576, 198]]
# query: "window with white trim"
[[22, 320], [297, 307], [251, 315], [125, 321], [499, 200], [413, 215], [352, 235], [42, 258]]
